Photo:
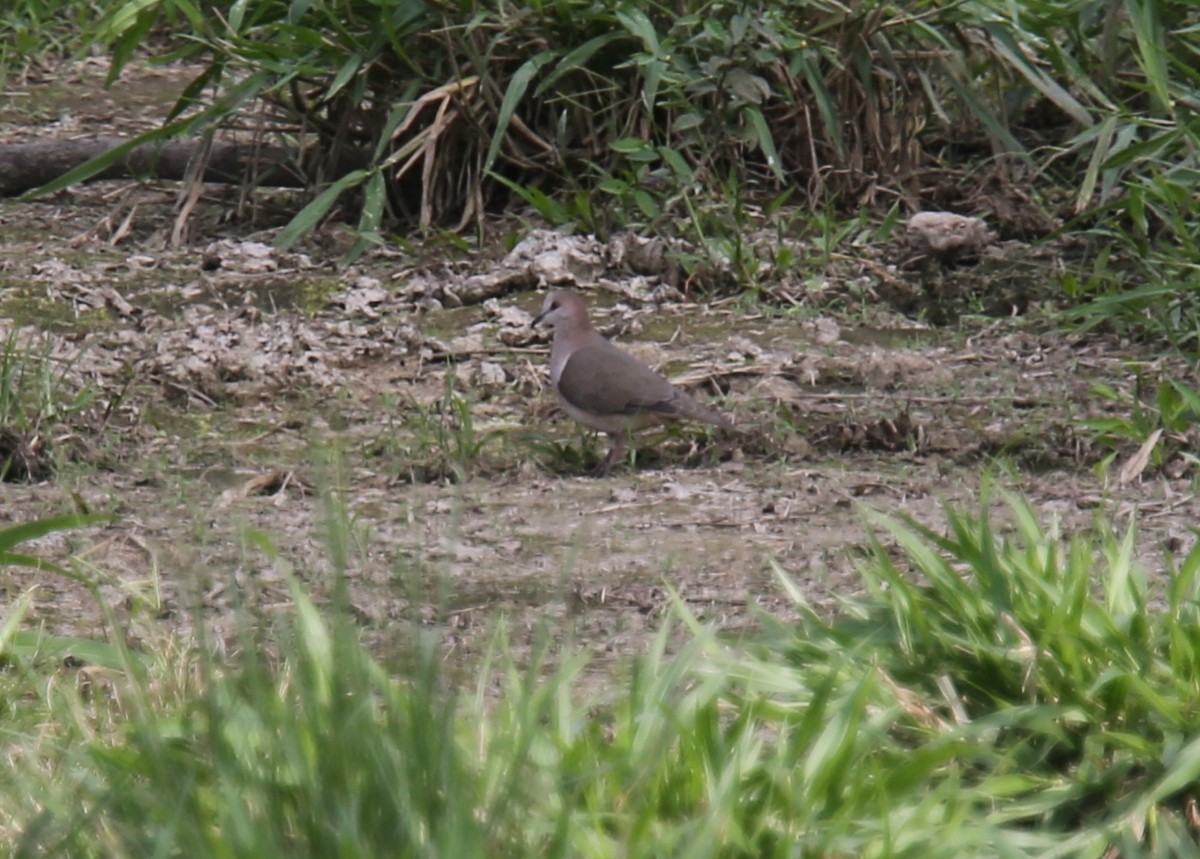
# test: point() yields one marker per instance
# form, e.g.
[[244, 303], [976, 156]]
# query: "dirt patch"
[[216, 398]]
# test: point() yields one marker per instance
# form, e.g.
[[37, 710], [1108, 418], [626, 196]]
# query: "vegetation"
[[36, 32], [1032, 697], [36, 399], [1000, 689], [1161, 416], [703, 119]]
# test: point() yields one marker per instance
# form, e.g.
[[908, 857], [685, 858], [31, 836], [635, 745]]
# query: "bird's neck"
[[567, 341]]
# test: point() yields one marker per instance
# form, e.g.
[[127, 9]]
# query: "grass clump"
[[991, 694], [1063, 648], [34, 33], [41, 395], [650, 103], [995, 692], [1162, 417]]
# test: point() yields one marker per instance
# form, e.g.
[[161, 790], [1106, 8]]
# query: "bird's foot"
[[608, 462], [602, 469]]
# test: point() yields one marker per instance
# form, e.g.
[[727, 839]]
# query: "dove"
[[605, 388]]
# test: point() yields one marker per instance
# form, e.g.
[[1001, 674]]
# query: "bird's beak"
[[538, 318]]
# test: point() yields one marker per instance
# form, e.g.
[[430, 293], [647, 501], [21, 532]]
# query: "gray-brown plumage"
[[606, 389]]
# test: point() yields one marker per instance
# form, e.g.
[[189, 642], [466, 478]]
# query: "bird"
[[605, 388]]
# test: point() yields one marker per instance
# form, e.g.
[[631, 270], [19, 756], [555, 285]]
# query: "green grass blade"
[[766, 143], [576, 60], [512, 97], [312, 214], [14, 535], [1002, 39], [1151, 41]]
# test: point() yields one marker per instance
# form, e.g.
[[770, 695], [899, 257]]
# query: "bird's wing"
[[603, 380]]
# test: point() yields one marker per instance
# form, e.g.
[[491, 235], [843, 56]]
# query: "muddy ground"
[[208, 392]]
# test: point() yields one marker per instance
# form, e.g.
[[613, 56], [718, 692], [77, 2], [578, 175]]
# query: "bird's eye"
[[554, 305]]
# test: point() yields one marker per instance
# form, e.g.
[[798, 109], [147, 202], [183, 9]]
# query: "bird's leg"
[[614, 455]]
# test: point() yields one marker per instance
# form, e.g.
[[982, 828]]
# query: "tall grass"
[[702, 119], [835, 98], [35, 33], [1021, 693]]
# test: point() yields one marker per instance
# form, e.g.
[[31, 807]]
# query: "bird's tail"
[[688, 407]]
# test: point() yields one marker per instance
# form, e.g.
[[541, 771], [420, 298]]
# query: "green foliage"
[[1134, 161], [38, 395], [302, 759], [649, 103], [34, 386], [1054, 646], [991, 689], [14, 535], [1162, 413], [1045, 684], [24, 646], [432, 441], [560, 457], [34, 32]]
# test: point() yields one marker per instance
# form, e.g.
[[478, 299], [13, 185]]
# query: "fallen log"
[[25, 166]]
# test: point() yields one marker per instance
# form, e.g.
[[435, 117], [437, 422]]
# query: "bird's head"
[[563, 307]]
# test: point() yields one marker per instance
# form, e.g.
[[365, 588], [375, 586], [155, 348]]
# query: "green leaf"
[[1124, 590], [57, 648], [16, 613], [576, 59], [397, 116], [645, 155], [765, 142], [629, 145], [825, 103], [646, 203], [512, 97], [346, 73], [888, 224], [237, 14], [131, 37], [14, 535], [312, 214], [1145, 150], [1182, 771], [299, 9], [1100, 152], [1190, 399], [123, 18], [19, 559], [652, 74], [679, 166], [1147, 28], [986, 116], [636, 22], [190, 96], [613, 186], [1003, 41], [374, 199], [552, 210], [197, 19], [747, 87]]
